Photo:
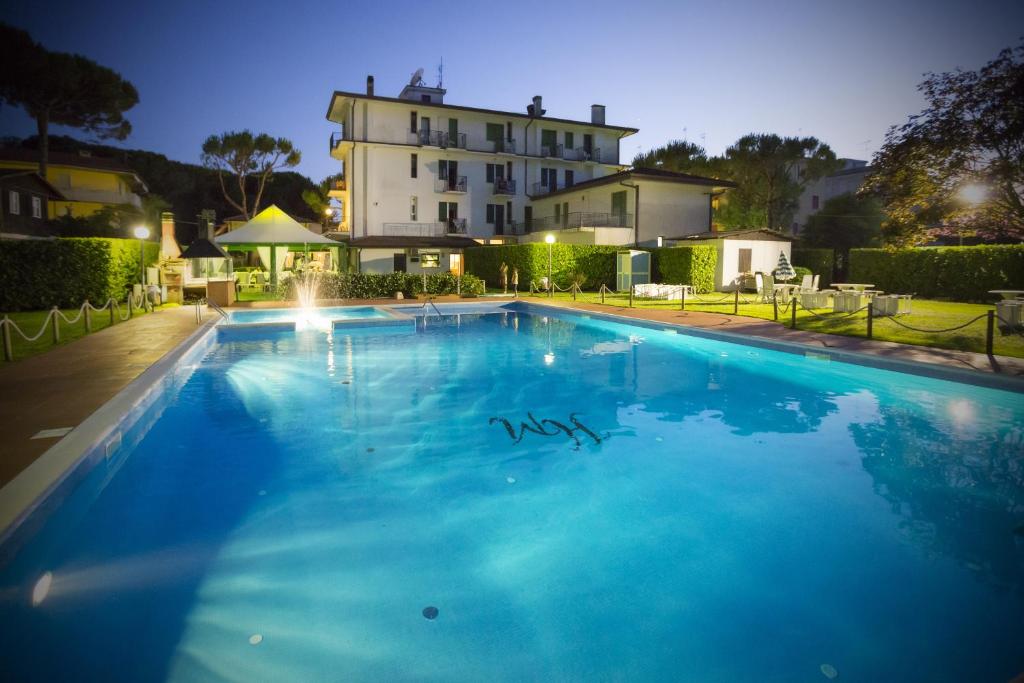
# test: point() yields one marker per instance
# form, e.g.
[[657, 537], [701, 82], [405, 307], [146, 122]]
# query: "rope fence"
[[54, 316]]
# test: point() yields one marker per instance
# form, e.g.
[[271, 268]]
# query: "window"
[[37, 207], [412, 122], [424, 98], [549, 178], [569, 140], [495, 172], [745, 257], [13, 202], [558, 213], [490, 213], [619, 203], [565, 213], [508, 131], [413, 209], [494, 132], [430, 259], [453, 132], [570, 178], [588, 143], [814, 202], [414, 164], [446, 211], [548, 142]]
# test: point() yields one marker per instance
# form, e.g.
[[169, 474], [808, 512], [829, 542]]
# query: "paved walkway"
[[60, 388]]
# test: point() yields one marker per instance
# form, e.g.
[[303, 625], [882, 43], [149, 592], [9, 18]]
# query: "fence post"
[[631, 296], [110, 304], [603, 287], [574, 291], [775, 306], [55, 315], [990, 328], [792, 302], [871, 319], [130, 306], [5, 331], [682, 298], [458, 285], [736, 301], [88, 316]]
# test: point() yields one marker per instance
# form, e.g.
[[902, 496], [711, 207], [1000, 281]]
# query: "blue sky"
[[709, 71]]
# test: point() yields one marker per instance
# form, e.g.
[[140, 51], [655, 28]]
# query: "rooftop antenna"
[[440, 74], [417, 78]]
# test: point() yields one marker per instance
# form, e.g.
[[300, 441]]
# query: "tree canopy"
[[958, 165], [845, 222], [63, 89], [680, 156], [252, 159]]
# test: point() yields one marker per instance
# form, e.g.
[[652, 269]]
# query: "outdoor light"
[[141, 232], [550, 239], [973, 193], [328, 211]]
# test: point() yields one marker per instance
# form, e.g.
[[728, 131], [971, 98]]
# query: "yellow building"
[[87, 183]]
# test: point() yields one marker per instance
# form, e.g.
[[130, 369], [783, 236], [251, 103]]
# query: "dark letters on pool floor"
[[548, 427]]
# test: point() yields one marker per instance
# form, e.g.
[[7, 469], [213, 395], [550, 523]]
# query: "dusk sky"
[[709, 72]]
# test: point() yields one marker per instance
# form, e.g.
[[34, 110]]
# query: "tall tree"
[[252, 159], [317, 198], [958, 164], [845, 222], [771, 172], [680, 156], [56, 88]]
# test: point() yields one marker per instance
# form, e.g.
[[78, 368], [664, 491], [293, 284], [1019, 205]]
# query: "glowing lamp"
[[141, 232], [973, 193], [550, 239]]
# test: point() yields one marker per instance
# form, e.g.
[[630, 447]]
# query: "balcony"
[[581, 220], [438, 138], [454, 226], [337, 189], [504, 187], [542, 188], [552, 151], [340, 142], [455, 184], [501, 146]]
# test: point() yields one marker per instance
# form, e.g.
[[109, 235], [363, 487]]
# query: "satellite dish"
[[417, 78]]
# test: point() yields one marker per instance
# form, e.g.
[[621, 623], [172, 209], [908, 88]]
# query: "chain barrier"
[[947, 329]]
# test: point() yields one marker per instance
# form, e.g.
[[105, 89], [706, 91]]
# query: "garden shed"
[[741, 253]]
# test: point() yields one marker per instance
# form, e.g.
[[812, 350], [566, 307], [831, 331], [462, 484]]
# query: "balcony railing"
[[452, 184], [438, 138], [541, 188], [581, 220], [504, 187], [551, 151], [336, 187], [337, 137], [454, 226], [501, 146]]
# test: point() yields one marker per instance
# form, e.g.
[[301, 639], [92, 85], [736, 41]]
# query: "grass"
[[252, 295], [927, 315], [31, 322]]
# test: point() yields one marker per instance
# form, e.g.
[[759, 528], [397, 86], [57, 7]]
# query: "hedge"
[[690, 265], [40, 274], [957, 273], [596, 262], [384, 285], [819, 261]]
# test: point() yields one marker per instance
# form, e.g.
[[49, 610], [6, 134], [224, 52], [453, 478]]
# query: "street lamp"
[[972, 194], [550, 239], [142, 232]]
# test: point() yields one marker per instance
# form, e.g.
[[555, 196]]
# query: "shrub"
[[384, 285], [957, 273], [39, 274], [596, 262], [819, 261], [688, 265]]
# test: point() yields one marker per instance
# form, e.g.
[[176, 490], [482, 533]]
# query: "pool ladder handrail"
[[430, 301], [216, 307]]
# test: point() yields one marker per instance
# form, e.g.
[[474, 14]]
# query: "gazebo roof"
[[273, 226], [203, 248]]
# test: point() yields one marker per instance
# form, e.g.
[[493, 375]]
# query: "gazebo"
[[273, 234]]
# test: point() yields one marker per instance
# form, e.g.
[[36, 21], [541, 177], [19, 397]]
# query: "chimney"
[[168, 245], [597, 114], [537, 110], [369, 86]]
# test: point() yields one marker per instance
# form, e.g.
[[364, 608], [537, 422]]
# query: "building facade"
[[23, 200], [846, 180], [86, 183]]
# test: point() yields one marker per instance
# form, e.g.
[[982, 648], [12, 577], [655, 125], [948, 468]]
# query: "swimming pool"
[[277, 315], [675, 508]]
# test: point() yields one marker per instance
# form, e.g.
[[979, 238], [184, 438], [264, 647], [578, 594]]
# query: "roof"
[[751, 234], [273, 226], [65, 159], [52, 191], [385, 241], [645, 174], [457, 107], [203, 248]]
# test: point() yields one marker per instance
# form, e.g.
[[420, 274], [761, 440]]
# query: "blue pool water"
[[276, 315], [693, 511]]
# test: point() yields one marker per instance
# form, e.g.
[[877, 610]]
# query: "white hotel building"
[[423, 180]]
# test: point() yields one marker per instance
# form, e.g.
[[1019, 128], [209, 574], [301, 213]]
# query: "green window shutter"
[[442, 211], [453, 129], [569, 141], [490, 173], [619, 203], [548, 138], [494, 132]]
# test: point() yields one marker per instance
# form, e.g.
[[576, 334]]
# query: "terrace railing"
[[504, 186]]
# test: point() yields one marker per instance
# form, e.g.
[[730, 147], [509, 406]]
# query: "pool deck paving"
[[60, 388]]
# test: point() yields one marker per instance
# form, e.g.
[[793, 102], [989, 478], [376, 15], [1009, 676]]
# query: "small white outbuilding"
[[741, 253]]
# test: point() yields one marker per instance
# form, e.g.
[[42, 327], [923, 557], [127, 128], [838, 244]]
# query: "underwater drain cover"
[[430, 612]]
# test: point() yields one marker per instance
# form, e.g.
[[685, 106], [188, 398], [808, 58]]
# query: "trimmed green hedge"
[[819, 261], [40, 274], [957, 273], [597, 263], [384, 285], [689, 265]]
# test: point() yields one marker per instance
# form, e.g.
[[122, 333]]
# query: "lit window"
[[13, 202], [430, 259], [37, 207], [413, 209]]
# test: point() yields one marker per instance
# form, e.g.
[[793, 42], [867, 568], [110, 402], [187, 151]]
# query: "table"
[[1007, 293], [786, 291], [851, 286]]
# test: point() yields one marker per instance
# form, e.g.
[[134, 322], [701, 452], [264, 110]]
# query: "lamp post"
[[550, 239], [142, 233], [328, 214]]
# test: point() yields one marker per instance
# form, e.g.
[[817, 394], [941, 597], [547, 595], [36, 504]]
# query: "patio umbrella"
[[784, 271]]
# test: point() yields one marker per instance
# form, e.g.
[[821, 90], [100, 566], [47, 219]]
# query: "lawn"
[[31, 322], [926, 315]]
